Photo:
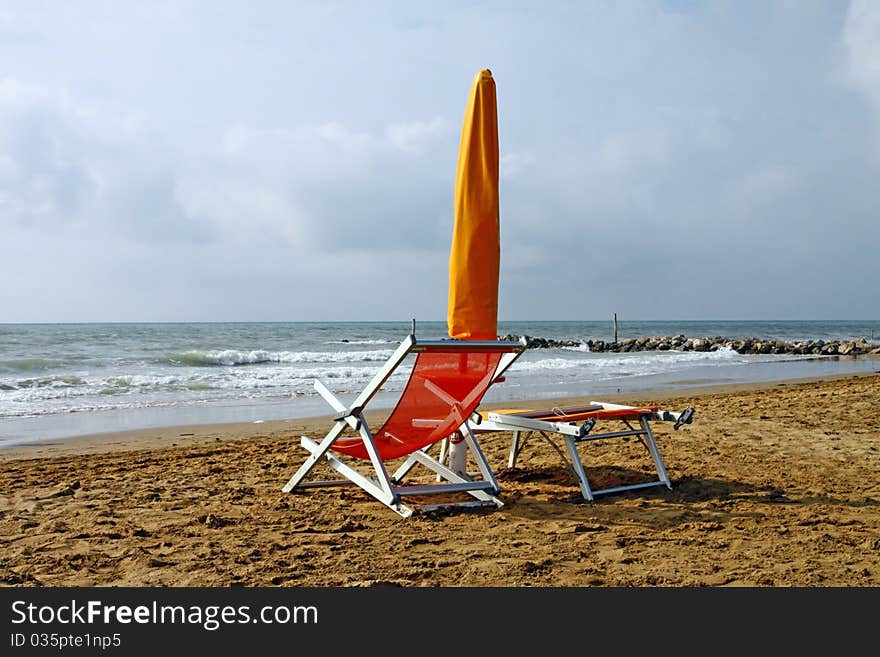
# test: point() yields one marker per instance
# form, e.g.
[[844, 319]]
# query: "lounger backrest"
[[444, 388]]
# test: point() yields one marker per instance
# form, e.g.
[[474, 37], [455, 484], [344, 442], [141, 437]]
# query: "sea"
[[65, 380]]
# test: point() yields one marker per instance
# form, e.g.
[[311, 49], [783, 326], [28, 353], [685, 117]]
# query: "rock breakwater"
[[681, 343]]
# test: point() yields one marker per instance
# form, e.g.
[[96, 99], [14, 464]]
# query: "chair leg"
[[379, 467], [359, 479], [444, 452], [404, 469], [315, 456], [454, 477]]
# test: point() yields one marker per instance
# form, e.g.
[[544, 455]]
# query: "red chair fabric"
[[444, 388]]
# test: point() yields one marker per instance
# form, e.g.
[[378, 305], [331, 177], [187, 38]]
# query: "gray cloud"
[[659, 159]]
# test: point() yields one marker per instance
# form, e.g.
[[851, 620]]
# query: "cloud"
[[658, 159], [71, 162], [861, 41], [513, 165], [43, 176], [326, 187], [417, 136], [122, 218]]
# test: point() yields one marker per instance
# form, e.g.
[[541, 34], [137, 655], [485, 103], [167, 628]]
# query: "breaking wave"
[[29, 364], [232, 357], [361, 342]]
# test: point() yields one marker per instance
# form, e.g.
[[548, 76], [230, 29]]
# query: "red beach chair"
[[446, 384]]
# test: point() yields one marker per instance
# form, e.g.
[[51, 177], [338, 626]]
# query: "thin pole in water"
[[615, 327]]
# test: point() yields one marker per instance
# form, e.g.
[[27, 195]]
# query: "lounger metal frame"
[[575, 433], [380, 484]]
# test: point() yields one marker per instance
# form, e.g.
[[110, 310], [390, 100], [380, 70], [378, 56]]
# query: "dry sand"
[[775, 484]]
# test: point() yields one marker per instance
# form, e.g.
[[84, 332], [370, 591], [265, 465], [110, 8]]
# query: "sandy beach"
[[774, 485]]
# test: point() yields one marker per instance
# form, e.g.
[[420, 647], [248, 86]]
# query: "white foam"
[[547, 364], [605, 365], [188, 386], [360, 342], [230, 357], [582, 347], [267, 375]]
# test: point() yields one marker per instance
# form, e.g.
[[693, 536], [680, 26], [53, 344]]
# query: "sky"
[[295, 161]]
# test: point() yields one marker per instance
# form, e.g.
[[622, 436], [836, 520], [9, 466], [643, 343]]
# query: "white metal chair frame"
[[379, 483]]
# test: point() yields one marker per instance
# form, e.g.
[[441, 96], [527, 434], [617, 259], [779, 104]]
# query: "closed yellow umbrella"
[[475, 255]]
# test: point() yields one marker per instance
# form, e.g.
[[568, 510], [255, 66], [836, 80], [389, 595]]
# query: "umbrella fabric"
[[475, 254]]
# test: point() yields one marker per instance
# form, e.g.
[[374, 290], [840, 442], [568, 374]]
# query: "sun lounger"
[[575, 424]]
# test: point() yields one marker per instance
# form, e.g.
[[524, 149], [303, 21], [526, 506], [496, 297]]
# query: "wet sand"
[[774, 485]]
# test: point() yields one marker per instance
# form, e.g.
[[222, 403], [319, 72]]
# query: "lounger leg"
[[514, 450], [583, 482], [522, 437], [315, 456], [655, 453]]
